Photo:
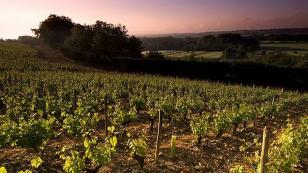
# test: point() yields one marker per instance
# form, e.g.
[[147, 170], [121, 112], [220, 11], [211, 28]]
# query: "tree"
[[235, 52], [54, 30], [134, 47], [109, 40], [99, 42], [229, 53], [78, 46], [205, 43], [155, 55], [208, 42]]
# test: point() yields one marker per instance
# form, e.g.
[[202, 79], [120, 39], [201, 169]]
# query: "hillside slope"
[[54, 117]]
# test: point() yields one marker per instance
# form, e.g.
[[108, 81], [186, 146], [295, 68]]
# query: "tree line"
[[91, 43], [205, 43], [283, 37]]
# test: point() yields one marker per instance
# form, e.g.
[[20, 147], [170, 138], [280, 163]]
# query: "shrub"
[[155, 55], [290, 147], [235, 53]]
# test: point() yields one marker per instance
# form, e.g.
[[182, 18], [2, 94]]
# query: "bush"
[[289, 149], [155, 55], [235, 53], [27, 133]]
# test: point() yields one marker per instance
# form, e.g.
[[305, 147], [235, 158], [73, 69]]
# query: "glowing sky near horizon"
[[17, 17]]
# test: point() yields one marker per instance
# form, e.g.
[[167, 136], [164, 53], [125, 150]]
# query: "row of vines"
[[40, 102]]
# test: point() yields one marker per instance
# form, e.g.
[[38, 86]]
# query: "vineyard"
[[70, 118]]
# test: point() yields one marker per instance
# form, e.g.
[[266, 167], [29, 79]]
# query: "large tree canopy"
[[91, 43], [101, 41], [54, 30]]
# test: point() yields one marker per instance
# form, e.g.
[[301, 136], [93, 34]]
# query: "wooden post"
[[264, 152], [158, 136], [106, 116], [75, 99], [173, 146]]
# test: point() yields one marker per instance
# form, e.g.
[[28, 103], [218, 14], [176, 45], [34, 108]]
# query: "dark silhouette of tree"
[[100, 42], [109, 40], [91, 43], [205, 43], [135, 47], [235, 52], [54, 30], [79, 45], [155, 55]]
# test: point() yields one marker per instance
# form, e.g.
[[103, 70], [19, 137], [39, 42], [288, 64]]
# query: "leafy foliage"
[[54, 30], [74, 163], [290, 147], [237, 169], [200, 126], [99, 42], [30, 133], [3, 170], [98, 153], [42, 101], [138, 148], [36, 162]]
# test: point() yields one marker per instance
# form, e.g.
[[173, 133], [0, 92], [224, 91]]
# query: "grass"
[[186, 54], [210, 55], [296, 49]]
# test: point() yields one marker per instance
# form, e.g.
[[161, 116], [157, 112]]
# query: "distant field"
[[186, 54], [289, 48]]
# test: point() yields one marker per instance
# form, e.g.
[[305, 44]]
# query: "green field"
[[189, 54], [289, 48], [63, 117], [295, 49]]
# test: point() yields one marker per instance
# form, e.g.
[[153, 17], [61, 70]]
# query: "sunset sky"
[[17, 17]]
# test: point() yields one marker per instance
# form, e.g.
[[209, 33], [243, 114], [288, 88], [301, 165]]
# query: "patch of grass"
[[287, 45], [211, 55], [297, 49], [186, 54]]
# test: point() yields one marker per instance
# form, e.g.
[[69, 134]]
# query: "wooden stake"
[[264, 156], [158, 136], [173, 146], [106, 116], [74, 99]]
